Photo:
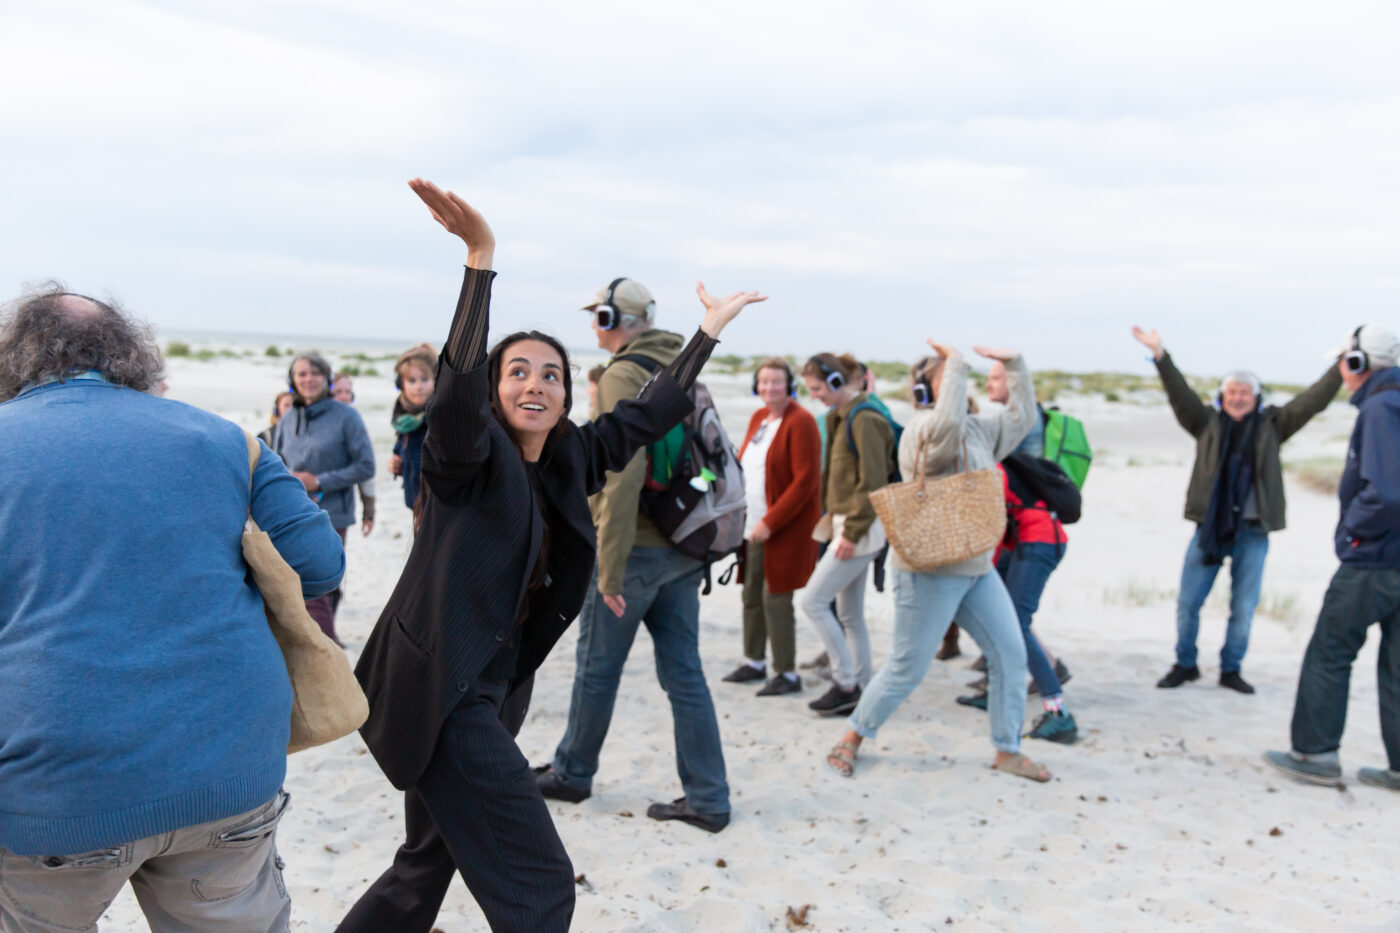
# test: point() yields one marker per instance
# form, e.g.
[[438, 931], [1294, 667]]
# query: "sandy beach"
[[1163, 816]]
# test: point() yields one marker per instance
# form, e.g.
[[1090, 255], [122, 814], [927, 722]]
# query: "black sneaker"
[[821, 660], [744, 674], [980, 664], [1061, 672], [835, 701], [680, 809], [552, 787], [1179, 675], [780, 685], [1234, 681]]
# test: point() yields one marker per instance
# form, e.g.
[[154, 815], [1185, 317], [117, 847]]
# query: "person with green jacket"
[[856, 535], [1235, 497]]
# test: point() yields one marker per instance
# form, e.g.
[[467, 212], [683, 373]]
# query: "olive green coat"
[[1203, 422]]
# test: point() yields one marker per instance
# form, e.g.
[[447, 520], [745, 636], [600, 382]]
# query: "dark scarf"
[[1233, 483]]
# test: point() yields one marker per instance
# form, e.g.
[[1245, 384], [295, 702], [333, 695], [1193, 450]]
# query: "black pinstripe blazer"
[[461, 589]]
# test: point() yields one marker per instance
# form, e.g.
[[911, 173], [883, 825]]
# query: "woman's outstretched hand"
[[459, 219], [1149, 339], [996, 353], [720, 311], [942, 349]]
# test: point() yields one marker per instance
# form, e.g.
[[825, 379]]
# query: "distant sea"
[[329, 344]]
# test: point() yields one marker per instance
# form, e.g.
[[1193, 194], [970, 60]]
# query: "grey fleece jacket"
[[990, 438], [327, 438]]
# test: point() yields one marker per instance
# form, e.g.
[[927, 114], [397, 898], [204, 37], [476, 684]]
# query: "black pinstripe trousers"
[[475, 810]]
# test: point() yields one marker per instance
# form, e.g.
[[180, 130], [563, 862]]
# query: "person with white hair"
[[1365, 590], [1235, 497]]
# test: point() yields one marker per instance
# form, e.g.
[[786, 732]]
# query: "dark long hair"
[[560, 429], [493, 377]]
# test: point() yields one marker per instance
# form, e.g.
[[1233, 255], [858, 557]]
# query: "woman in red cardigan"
[[781, 456]]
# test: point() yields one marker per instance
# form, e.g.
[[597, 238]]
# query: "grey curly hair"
[[51, 333]]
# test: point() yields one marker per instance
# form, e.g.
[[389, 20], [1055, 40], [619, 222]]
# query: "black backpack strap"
[[650, 365]]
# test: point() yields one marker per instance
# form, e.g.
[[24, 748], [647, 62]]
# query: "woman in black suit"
[[499, 568]]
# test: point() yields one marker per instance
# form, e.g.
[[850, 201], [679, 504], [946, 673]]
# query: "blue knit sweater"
[[141, 688]]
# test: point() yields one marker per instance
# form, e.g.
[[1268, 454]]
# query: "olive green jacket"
[[617, 515], [848, 478], [1277, 425]]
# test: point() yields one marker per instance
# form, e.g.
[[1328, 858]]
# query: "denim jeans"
[[1197, 577], [1026, 570], [1355, 599], [924, 604], [221, 875], [662, 589], [843, 632]]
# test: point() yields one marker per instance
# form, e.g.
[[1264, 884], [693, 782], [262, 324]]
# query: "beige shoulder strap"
[[254, 452]]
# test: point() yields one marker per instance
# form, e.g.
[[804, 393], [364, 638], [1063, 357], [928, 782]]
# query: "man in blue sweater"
[[1366, 587], [146, 705]]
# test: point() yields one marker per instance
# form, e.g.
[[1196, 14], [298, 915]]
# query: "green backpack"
[[1066, 444]]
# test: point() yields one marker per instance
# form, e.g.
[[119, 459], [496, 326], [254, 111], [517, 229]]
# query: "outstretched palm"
[[720, 311], [1149, 339], [460, 219]]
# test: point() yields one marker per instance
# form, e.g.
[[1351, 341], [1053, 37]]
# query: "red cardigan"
[[792, 479]]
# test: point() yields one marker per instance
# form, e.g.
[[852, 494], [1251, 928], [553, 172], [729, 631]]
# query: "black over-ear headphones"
[[608, 315], [835, 379], [923, 392], [1356, 359], [787, 372]]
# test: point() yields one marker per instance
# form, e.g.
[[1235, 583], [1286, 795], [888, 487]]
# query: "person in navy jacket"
[[1365, 590]]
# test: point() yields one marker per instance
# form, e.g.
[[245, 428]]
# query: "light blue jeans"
[[1247, 555], [924, 605]]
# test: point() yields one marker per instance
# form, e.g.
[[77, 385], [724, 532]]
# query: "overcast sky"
[[1035, 175]]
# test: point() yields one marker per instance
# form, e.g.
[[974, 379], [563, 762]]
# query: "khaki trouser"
[[218, 876], [768, 616]]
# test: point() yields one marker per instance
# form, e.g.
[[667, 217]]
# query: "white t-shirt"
[[754, 461]]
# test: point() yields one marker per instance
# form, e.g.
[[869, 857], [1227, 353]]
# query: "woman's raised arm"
[[459, 412]]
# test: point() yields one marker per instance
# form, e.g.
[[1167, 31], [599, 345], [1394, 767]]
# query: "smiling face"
[[1237, 400], [344, 390], [531, 390], [820, 390], [308, 380], [417, 383], [772, 386]]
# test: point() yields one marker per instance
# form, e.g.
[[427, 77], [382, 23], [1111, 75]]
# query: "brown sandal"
[[1021, 766], [842, 758]]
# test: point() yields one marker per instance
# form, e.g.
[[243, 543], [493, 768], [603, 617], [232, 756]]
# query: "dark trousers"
[[322, 608], [476, 810], [768, 616], [1355, 599], [1025, 570]]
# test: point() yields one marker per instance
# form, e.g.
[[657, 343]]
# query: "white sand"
[[1162, 816]]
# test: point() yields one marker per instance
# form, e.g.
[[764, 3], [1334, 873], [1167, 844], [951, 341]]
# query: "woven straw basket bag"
[[327, 701], [932, 523]]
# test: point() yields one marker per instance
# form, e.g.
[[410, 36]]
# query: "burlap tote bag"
[[932, 523], [327, 701]]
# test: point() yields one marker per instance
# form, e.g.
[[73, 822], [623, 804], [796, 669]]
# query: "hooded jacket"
[[1368, 534], [1276, 425], [617, 509], [328, 439]]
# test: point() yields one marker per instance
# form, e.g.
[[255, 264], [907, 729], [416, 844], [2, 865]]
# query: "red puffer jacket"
[[1027, 524]]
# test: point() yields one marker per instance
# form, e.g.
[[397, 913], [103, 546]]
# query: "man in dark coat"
[[1235, 498], [1365, 590]]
